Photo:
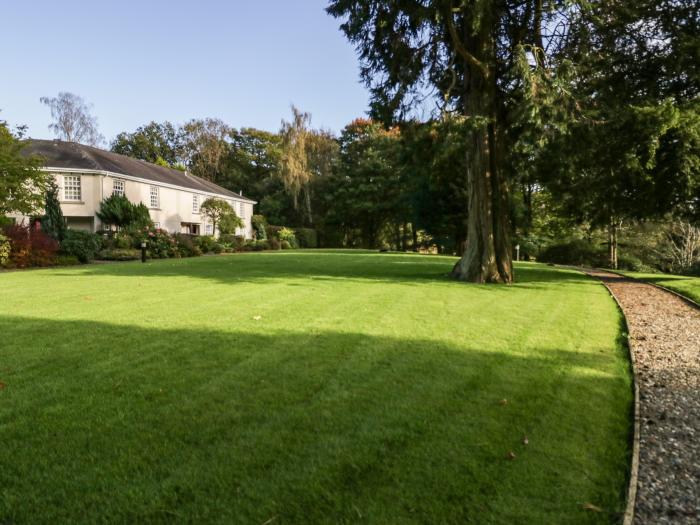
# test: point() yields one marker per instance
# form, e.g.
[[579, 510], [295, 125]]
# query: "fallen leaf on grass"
[[591, 507], [503, 402], [511, 455], [2, 385], [257, 317], [526, 441]]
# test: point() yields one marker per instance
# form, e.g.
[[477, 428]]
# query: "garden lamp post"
[[143, 251], [517, 252]]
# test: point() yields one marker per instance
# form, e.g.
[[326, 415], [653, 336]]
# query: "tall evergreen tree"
[[470, 53], [53, 222]]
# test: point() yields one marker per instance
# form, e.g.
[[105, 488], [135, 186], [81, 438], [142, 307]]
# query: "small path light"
[[143, 252], [517, 252]]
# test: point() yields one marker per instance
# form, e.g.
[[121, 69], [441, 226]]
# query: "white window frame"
[[195, 203], [116, 183], [72, 188], [156, 225], [241, 210], [154, 196], [209, 229]]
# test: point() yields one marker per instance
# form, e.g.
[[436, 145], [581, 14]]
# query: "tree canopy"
[[72, 119], [23, 184]]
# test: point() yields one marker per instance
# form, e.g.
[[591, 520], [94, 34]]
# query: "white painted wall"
[[175, 205]]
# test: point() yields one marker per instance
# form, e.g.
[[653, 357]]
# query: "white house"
[[87, 175]]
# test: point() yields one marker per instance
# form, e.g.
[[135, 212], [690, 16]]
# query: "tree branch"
[[459, 46]]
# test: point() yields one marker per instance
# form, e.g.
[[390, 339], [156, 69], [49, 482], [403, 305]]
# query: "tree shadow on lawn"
[[105, 422], [344, 266]]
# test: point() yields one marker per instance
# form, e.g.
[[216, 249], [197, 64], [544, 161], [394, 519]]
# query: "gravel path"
[[665, 341]]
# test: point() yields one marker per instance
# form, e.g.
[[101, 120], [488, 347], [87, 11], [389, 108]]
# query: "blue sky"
[[136, 61]]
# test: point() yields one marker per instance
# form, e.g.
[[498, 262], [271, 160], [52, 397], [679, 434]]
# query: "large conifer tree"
[[469, 54]]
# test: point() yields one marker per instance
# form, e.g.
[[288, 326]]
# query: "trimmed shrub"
[[82, 245], [117, 210], [30, 247], [186, 245], [306, 237], [161, 245], [274, 244], [205, 243], [123, 241], [217, 248], [67, 260], [259, 224], [5, 250], [695, 270], [633, 264], [257, 246], [235, 242], [53, 222], [285, 245], [119, 254], [575, 252]]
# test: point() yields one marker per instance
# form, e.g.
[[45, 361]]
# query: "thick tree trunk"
[[487, 257]]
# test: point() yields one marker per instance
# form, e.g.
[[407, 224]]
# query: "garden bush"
[[287, 234], [67, 260], [306, 237], [633, 264], [285, 245], [186, 245], [82, 245], [122, 240], [205, 243], [30, 247], [575, 252], [161, 245], [5, 250], [235, 242], [257, 246], [274, 244], [272, 231], [259, 224], [120, 254]]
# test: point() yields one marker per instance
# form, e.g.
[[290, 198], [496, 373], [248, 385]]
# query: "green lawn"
[[309, 387], [684, 285]]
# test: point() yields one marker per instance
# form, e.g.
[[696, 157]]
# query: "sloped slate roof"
[[70, 155]]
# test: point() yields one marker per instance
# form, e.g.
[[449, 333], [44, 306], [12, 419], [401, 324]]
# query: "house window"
[[195, 203], [241, 212], [118, 187], [210, 229], [156, 225], [71, 188], [155, 200]]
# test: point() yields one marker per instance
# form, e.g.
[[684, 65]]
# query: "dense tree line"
[[550, 119]]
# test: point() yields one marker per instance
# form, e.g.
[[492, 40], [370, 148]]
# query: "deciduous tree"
[[23, 184], [219, 211], [72, 119], [155, 142]]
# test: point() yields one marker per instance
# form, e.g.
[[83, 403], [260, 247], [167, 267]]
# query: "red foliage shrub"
[[30, 247]]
